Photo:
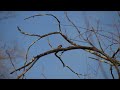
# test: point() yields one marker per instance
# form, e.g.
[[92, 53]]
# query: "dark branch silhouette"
[[98, 51]]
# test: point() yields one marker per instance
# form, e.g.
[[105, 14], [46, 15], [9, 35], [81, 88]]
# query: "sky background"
[[49, 65]]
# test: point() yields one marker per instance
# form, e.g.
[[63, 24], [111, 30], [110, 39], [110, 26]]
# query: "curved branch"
[[54, 51], [40, 36], [47, 15]]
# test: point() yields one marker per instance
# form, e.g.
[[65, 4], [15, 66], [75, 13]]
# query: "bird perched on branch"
[[59, 46]]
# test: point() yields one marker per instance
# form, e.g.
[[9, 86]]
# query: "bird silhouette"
[[59, 46]]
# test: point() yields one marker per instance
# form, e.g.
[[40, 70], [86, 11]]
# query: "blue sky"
[[77, 60]]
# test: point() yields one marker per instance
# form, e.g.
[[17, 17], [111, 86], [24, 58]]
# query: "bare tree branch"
[[85, 36]]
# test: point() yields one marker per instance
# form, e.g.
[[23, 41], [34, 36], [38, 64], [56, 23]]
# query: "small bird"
[[59, 46]]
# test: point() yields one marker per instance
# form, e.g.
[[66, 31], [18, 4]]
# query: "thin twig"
[[115, 52], [49, 43], [111, 71], [64, 65], [101, 61], [29, 49], [72, 23], [11, 61]]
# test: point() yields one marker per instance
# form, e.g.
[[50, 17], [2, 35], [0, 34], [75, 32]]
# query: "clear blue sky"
[[77, 60]]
